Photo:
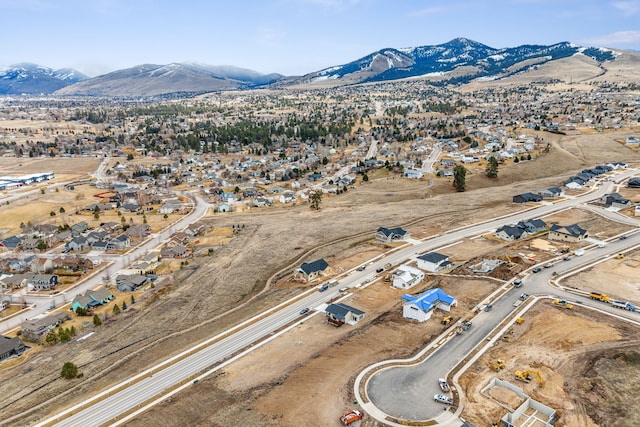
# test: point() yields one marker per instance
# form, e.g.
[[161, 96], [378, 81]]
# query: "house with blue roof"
[[421, 307]]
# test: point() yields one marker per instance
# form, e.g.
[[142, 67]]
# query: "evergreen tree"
[[96, 320], [459, 178], [492, 168], [124, 306], [69, 370], [316, 199], [133, 300], [116, 309]]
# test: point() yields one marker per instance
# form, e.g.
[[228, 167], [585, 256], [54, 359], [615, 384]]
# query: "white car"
[[443, 399]]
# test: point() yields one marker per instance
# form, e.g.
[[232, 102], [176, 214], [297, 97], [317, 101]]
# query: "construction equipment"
[[506, 338], [444, 385], [620, 256], [563, 303], [519, 321], [498, 365], [446, 320], [510, 263], [525, 376], [600, 297], [387, 278]]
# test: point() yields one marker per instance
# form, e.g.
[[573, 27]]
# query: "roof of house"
[[37, 324], [390, 231], [433, 257], [313, 266], [573, 229], [427, 300], [339, 311], [511, 231], [8, 344]]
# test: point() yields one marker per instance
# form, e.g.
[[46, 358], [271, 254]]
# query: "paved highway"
[[128, 397]]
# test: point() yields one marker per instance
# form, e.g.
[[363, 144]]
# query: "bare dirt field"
[[588, 365], [197, 302]]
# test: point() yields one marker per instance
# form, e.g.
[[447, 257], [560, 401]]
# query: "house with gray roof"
[[338, 314], [36, 329], [433, 261], [567, 233], [310, 271], [10, 347], [388, 235]]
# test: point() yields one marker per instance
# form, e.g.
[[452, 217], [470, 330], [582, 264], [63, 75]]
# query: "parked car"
[[323, 288], [623, 237], [361, 268], [443, 399], [536, 270], [517, 283], [304, 310], [567, 258], [379, 270]]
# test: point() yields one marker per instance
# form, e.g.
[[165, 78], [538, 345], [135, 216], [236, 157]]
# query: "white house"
[[421, 307], [413, 173], [433, 261], [406, 277]]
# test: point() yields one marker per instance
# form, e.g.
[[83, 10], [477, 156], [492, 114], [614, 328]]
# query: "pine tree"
[[96, 320], [69, 370], [116, 309], [459, 178], [492, 168]]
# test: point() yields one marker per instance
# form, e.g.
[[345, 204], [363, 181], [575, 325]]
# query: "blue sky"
[[291, 37]]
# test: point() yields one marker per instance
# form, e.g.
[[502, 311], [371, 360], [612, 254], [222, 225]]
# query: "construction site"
[[582, 373]]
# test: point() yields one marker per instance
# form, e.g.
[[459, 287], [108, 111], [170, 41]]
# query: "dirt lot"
[[199, 301], [588, 366]]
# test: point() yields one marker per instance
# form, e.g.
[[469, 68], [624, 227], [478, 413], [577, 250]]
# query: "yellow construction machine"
[[446, 320], [525, 376], [519, 321], [498, 365]]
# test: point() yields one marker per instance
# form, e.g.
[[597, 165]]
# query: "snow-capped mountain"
[[35, 79], [175, 78], [458, 61]]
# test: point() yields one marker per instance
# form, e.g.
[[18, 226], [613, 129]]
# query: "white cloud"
[[619, 37], [628, 7]]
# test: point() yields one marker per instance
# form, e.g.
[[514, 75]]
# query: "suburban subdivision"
[[388, 253]]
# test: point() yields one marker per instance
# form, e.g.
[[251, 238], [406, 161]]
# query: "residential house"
[[574, 183], [180, 238], [532, 226], [433, 261], [100, 246], [15, 266], [176, 251], [79, 228], [36, 329], [12, 242], [30, 243], [406, 277], [338, 314], [144, 268], [388, 235], [527, 197], [119, 243], [310, 271], [139, 231], [10, 347], [615, 200], [413, 173], [91, 299], [130, 282], [223, 207], [552, 193], [287, 198], [41, 265], [421, 307], [262, 201], [97, 236], [41, 282], [634, 183], [195, 229], [12, 281], [567, 233], [171, 206], [77, 244], [511, 233]]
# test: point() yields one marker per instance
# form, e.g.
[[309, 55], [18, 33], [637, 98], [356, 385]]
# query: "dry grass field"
[[217, 291]]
